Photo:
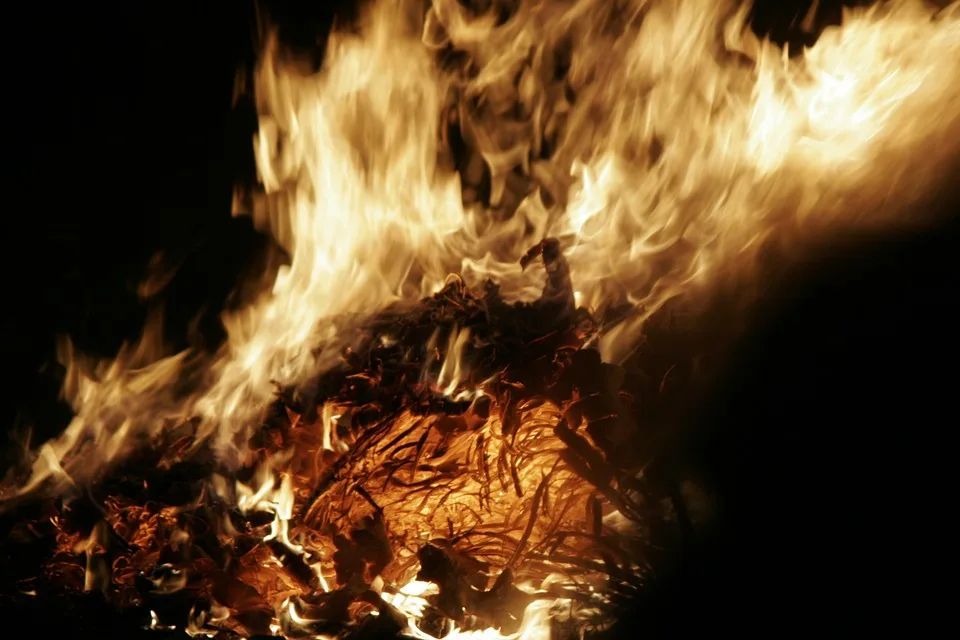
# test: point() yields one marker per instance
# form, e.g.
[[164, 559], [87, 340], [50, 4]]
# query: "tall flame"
[[660, 140], [679, 141]]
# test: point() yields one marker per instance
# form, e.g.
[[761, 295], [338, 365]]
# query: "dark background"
[[826, 440]]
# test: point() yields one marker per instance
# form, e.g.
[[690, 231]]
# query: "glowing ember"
[[442, 456]]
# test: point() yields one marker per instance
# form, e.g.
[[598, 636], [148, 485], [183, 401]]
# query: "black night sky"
[[827, 439]]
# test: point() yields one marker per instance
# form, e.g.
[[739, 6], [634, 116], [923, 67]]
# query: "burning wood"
[[491, 483]]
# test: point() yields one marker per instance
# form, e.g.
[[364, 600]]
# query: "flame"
[[454, 369], [672, 148], [661, 141], [535, 625], [96, 576]]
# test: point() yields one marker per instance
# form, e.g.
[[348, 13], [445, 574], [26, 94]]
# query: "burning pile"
[[485, 481], [447, 452]]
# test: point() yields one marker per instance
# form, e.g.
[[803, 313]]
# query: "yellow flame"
[[269, 497], [97, 573], [680, 143], [410, 600], [534, 626]]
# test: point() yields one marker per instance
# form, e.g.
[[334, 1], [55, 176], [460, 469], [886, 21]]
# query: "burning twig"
[[420, 464]]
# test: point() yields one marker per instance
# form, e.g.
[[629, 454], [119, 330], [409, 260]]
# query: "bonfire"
[[445, 416]]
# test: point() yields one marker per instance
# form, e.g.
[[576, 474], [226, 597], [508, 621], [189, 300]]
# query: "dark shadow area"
[[823, 442], [125, 145]]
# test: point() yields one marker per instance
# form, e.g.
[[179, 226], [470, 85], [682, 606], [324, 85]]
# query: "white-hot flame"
[[410, 601], [676, 145]]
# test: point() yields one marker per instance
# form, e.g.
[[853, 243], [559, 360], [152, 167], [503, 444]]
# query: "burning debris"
[[445, 453], [438, 488]]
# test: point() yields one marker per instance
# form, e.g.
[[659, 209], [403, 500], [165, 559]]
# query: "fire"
[[659, 141]]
